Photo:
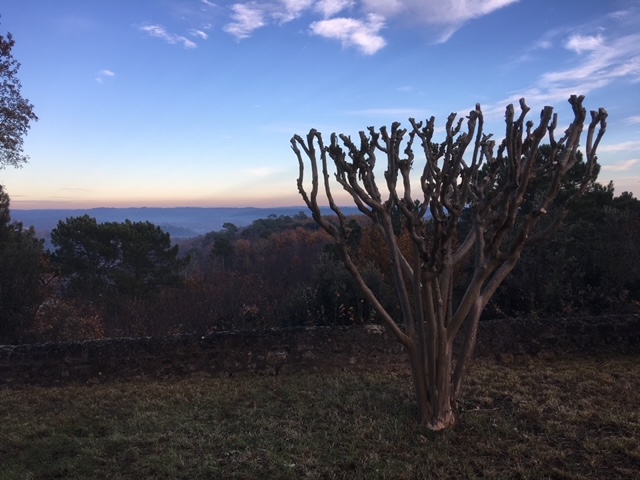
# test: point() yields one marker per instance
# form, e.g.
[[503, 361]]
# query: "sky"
[[167, 103]]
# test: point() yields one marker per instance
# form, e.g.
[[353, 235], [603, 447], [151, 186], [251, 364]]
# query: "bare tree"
[[514, 196]]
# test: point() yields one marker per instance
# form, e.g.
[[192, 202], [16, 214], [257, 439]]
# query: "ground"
[[574, 417]]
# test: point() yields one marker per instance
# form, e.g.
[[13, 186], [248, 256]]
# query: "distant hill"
[[181, 222]]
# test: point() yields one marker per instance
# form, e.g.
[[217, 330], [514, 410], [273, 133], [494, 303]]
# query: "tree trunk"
[[443, 413], [436, 406], [420, 383], [467, 350]]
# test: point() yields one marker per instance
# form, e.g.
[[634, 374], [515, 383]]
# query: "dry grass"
[[570, 418]]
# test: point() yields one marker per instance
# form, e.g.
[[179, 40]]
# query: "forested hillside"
[[128, 279], [183, 222]]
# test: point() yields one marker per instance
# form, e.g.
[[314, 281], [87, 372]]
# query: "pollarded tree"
[[512, 193], [16, 112]]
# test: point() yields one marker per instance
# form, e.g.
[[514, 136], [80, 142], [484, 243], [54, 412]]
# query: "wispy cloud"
[[76, 189], [194, 17], [246, 18], [199, 33], [579, 43], [249, 16], [288, 10], [158, 31], [363, 35], [360, 21], [259, 172], [606, 62], [449, 15], [633, 120], [607, 51], [103, 75], [388, 112], [531, 53], [631, 145], [543, 44], [328, 8], [622, 166]]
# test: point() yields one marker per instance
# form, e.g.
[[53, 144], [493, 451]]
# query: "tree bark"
[[496, 186]]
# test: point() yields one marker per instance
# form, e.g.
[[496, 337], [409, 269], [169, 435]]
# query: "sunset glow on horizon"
[[192, 103]]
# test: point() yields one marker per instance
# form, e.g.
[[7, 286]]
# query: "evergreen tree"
[[129, 258], [21, 286]]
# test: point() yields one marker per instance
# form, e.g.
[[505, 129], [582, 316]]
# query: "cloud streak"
[[104, 74], [606, 62], [290, 10], [328, 8], [621, 166], [246, 18], [259, 172], [579, 43], [390, 112], [360, 21], [364, 35], [449, 15], [600, 61], [631, 145], [158, 31], [199, 33]]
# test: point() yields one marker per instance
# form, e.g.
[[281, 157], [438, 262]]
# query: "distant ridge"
[[179, 222]]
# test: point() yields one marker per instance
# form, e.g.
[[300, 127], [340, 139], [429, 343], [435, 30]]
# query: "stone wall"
[[292, 350], [560, 335]]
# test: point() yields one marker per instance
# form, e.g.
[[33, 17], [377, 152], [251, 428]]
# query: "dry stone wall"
[[293, 350]]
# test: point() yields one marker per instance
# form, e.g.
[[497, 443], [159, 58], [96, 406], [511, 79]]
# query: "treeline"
[[128, 279], [591, 266]]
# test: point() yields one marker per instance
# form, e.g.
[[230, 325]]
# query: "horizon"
[[283, 207], [192, 103], [179, 222]]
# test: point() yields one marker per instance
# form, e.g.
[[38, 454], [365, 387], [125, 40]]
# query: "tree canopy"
[[130, 258], [16, 113], [21, 287]]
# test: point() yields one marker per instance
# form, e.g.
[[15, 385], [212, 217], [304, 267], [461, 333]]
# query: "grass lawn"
[[569, 418]]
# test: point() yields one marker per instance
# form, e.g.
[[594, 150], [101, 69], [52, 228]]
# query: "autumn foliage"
[[283, 272]]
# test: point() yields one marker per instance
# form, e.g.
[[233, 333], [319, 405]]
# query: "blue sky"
[[193, 102]]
